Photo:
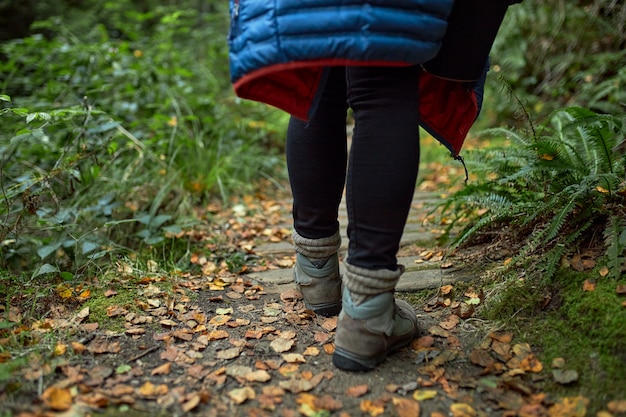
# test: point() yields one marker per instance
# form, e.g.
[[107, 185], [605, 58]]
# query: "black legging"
[[382, 168]]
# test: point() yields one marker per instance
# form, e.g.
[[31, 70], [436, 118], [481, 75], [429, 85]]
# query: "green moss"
[[586, 328], [98, 304]]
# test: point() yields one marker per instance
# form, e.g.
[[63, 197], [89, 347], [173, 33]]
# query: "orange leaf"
[[446, 289], [531, 364], [59, 399], [373, 408], [164, 369], [147, 390], [357, 390], [569, 407], [589, 285], [406, 407]]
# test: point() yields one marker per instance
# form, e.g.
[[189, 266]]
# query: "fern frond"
[[615, 240]]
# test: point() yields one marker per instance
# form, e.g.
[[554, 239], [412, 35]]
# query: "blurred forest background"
[[117, 117]]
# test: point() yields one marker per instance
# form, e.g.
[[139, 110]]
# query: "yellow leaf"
[[60, 349], [64, 291], [604, 271], [423, 395], [462, 410], [546, 157], [602, 190]]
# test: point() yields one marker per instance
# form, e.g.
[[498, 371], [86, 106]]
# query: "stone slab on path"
[[414, 279]]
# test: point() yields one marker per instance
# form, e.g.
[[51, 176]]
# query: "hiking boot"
[[368, 332], [320, 283]]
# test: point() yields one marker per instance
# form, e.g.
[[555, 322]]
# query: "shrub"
[[108, 145], [549, 191]]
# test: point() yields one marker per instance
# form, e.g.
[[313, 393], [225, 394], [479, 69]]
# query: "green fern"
[[552, 186]]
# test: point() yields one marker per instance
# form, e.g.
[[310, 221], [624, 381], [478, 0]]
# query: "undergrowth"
[[548, 192]]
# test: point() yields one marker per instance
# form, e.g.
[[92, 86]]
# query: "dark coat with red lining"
[[280, 51]]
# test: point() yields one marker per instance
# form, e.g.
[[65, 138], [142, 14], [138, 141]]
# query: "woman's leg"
[[316, 160], [382, 172], [384, 160]]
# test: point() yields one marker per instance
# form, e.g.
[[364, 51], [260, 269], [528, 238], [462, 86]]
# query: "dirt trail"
[[246, 346]]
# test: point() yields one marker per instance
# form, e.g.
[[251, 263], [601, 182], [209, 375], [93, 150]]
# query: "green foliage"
[[550, 190], [130, 122], [556, 54]]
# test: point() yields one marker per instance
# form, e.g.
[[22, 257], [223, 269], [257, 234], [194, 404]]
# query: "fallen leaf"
[[218, 334], [311, 351], [60, 349], [258, 376], [230, 353], [446, 289], [191, 403], [531, 364], [501, 336], [482, 358], [357, 390], [604, 271], [423, 395], [565, 377], [294, 358], [104, 346], [321, 337], [59, 399], [569, 407], [406, 407], [450, 323], [110, 293], [462, 410], [621, 289], [164, 369], [589, 285], [280, 345], [617, 406], [373, 408], [241, 395], [423, 342], [78, 347]]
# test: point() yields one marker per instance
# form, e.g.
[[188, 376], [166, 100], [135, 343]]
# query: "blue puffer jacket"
[[266, 33], [279, 51]]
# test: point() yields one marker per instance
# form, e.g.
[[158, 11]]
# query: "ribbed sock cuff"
[[317, 248], [365, 283]]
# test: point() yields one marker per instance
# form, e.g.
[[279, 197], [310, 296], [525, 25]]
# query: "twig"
[[144, 353]]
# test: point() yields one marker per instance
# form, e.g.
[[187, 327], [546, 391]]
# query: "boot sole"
[[326, 309]]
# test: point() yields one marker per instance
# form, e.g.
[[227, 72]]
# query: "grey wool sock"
[[364, 284]]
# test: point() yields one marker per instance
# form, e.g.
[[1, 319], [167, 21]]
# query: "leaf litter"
[[219, 343]]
